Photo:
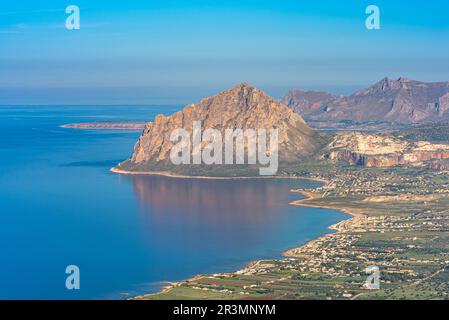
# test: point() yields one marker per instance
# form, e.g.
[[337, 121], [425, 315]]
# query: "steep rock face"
[[242, 107], [383, 150], [401, 101], [354, 158]]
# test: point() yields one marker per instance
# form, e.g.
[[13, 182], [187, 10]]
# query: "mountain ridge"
[[401, 101]]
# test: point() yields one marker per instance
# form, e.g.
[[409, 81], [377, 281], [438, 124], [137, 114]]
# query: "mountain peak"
[[240, 97], [392, 83], [244, 85], [244, 88], [241, 107], [385, 85]]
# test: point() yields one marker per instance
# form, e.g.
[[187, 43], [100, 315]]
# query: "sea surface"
[[60, 205]]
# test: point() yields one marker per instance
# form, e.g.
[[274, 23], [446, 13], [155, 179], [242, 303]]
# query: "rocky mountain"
[[242, 107], [246, 107], [401, 101]]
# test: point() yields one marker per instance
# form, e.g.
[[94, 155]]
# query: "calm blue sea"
[[60, 205]]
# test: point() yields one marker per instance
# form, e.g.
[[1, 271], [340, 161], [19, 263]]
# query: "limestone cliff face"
[[383, 150], [242, 107]]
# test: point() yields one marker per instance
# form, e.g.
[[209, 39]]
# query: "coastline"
[[106, 125], [337, 227], [289, 253], [177, 176]]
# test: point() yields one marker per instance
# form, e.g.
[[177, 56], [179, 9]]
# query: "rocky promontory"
[[241, 107]]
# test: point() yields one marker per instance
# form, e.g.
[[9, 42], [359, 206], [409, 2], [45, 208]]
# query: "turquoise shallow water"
[[60, 205]]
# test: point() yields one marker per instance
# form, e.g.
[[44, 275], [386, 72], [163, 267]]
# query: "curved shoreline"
[[287, 253], [337, 227], [177, 176]]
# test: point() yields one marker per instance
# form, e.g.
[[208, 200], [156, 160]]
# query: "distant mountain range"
[[401, 101]]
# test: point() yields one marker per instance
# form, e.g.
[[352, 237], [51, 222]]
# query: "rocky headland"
[[242, 107]]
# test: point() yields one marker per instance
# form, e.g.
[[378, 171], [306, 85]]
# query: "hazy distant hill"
[[401, 101]]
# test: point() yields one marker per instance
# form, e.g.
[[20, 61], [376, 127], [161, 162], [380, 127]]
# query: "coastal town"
[[399, 224]]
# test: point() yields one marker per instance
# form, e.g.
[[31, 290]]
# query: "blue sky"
[[173, 51]]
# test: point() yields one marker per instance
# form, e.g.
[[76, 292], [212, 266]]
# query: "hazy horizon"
[[177, 52], [135, 96]]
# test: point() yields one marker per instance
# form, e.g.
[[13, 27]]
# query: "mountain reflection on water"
[[227, 218], [216, 202]]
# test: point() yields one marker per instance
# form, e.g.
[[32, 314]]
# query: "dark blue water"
[[60, 205]]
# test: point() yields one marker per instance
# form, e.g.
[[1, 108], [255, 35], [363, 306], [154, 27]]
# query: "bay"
[[60, 205]]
